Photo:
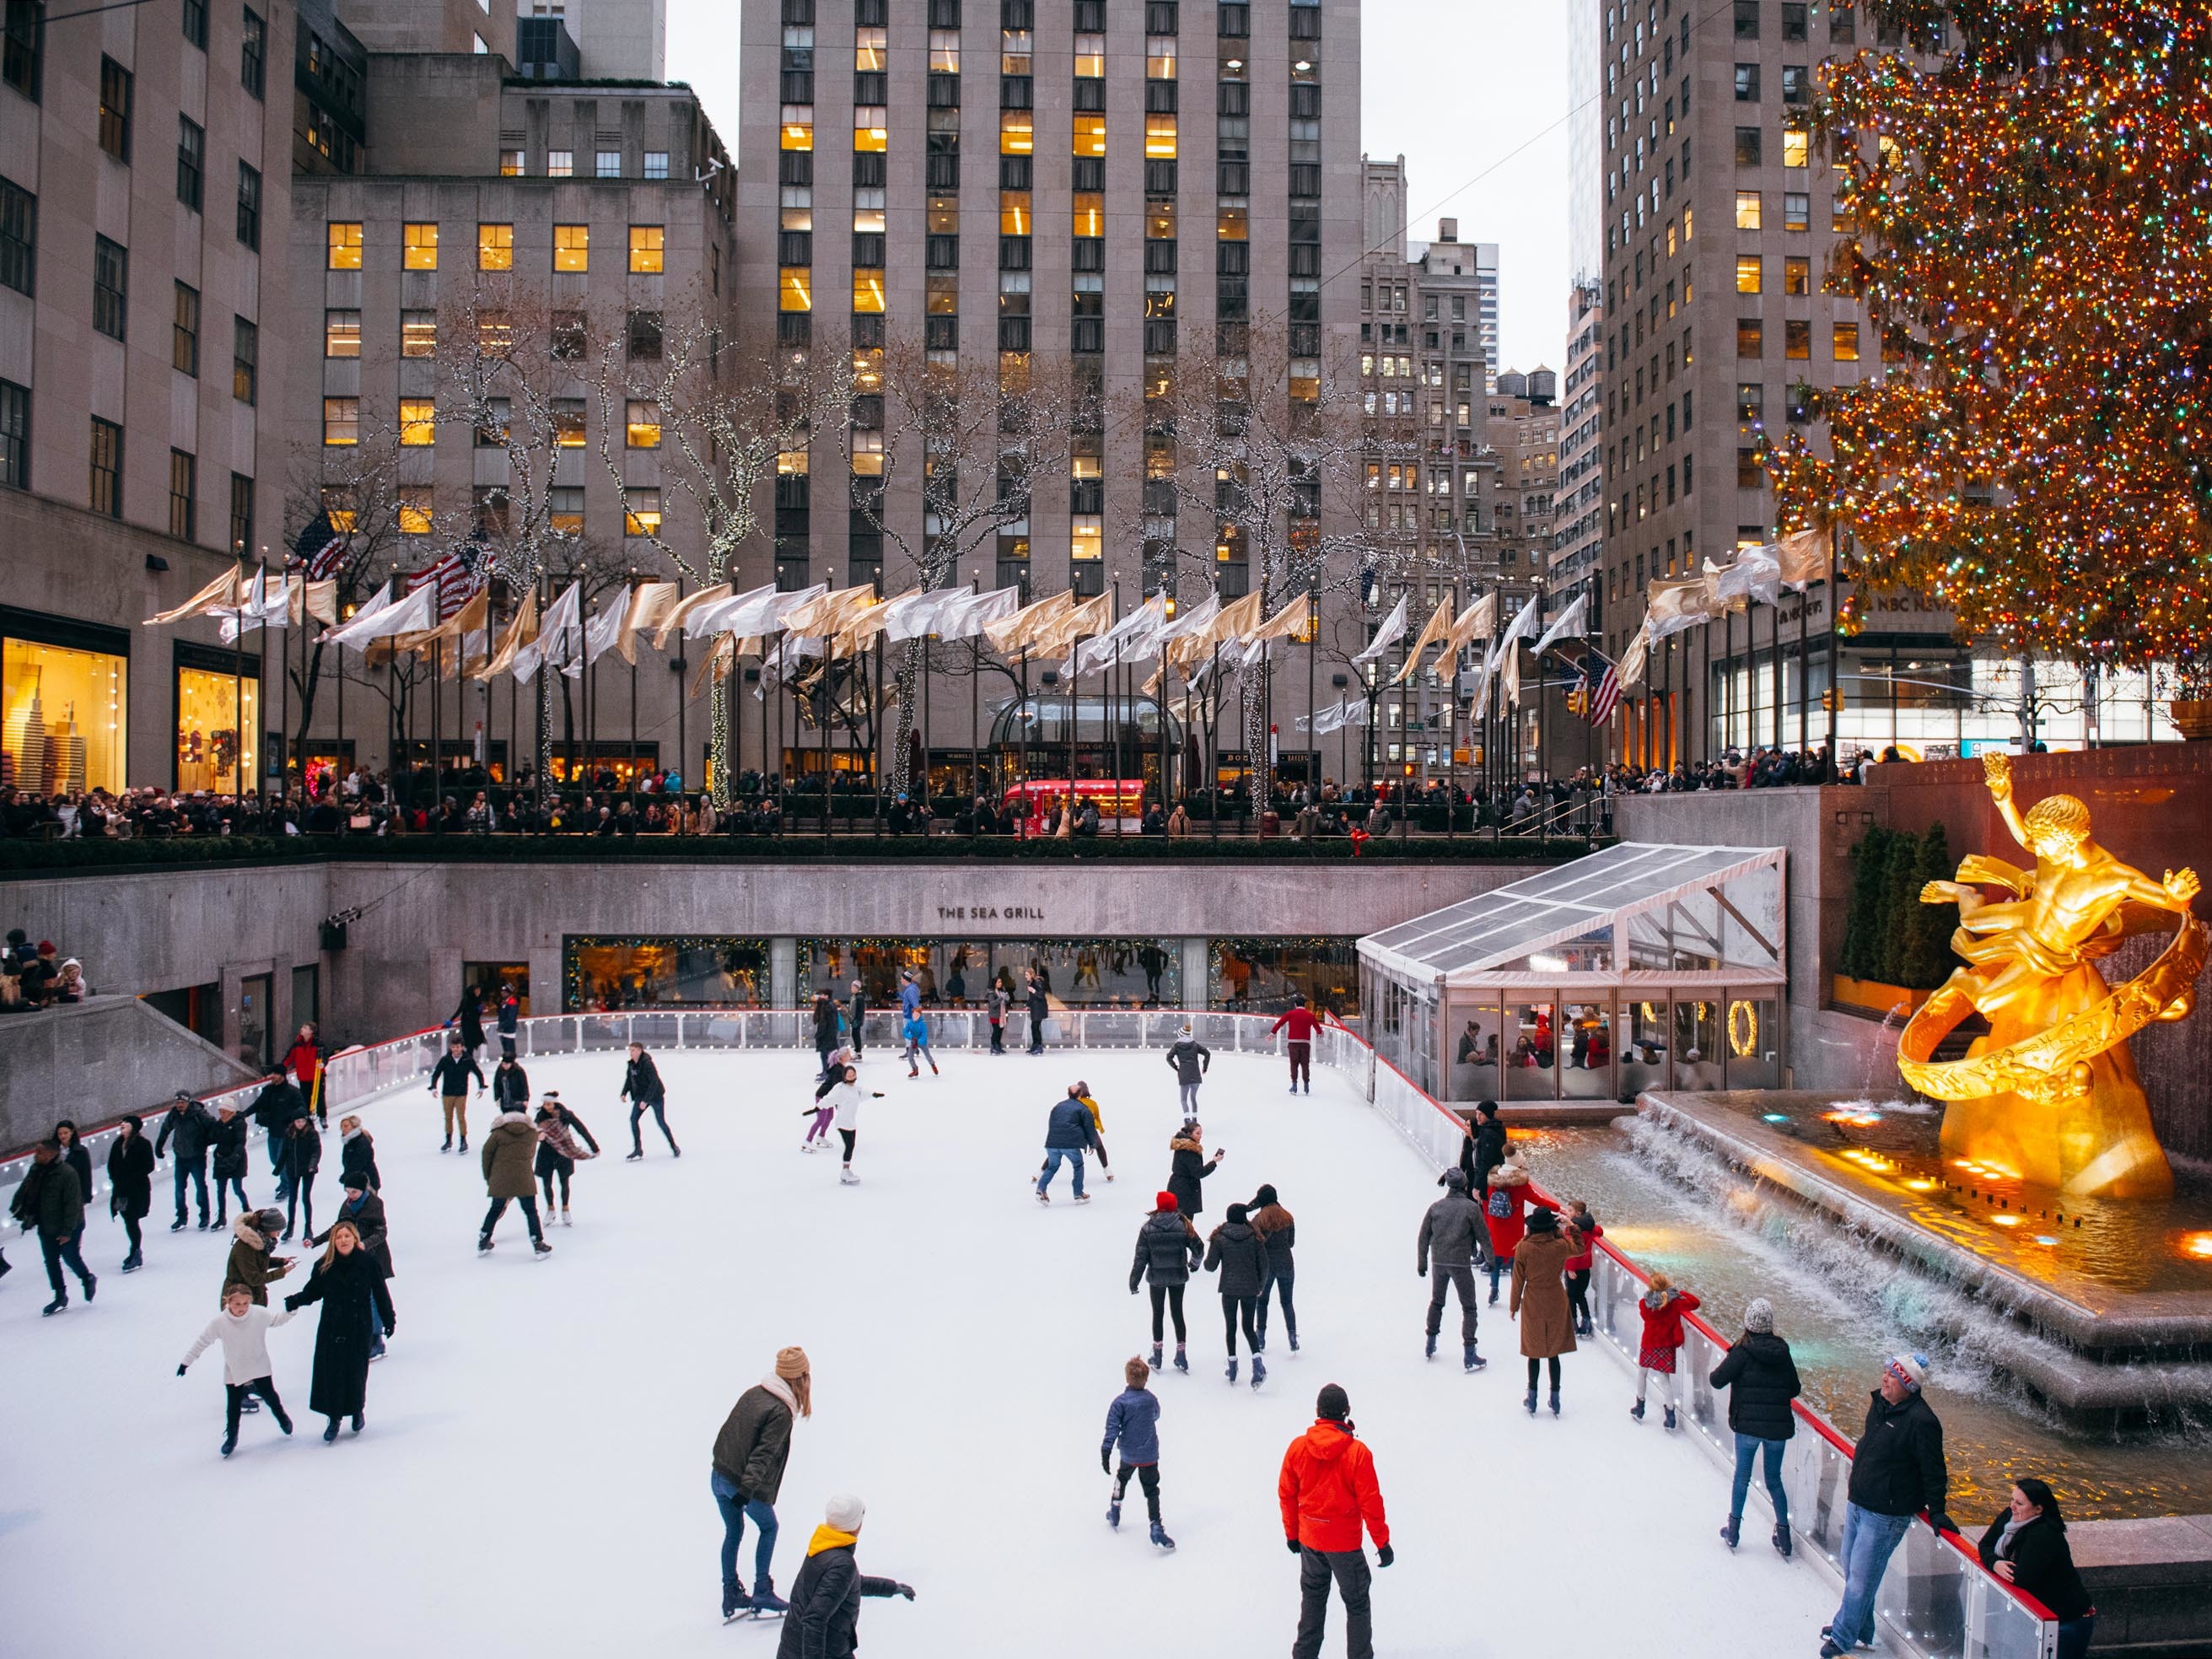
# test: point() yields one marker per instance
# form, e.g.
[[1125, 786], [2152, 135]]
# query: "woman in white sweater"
[[844, 1096], [242, 1328]]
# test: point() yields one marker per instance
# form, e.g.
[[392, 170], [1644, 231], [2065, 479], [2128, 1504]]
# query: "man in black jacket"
[[449, 1081], [1897, 1470], [1489, 1147], [51, 1202], [825, 1030], [188, 1121], [642, 1088], [278, 1106], [826, 1598]]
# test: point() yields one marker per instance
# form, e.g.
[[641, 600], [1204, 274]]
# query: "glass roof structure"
[[1637, 912]]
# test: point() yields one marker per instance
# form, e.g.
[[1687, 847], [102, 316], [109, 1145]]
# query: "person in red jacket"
[[1303, 1026], [1327, 1488], [1662, 1307], [1581, 1229], [1505, 1212], [304, 1061]]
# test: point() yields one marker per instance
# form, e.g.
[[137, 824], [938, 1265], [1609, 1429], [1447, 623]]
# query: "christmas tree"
[[2030, 183]]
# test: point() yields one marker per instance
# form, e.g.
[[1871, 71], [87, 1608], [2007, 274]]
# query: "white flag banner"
[[605, 631], [730, 613], [418, 611], [1569, 622], [1478, 710], [912, 614], [264, 606], [967, 615], [1673, 606], [560, 641], [1393, 630], [1135, 638], [1191, 623], [1754, 573]]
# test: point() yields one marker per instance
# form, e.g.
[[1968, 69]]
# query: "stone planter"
[[2192, 717], [1872, 996]]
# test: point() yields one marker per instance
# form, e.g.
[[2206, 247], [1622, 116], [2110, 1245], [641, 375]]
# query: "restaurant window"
[[494, 248], [603, 973], [647, 247], [214, 704], [418, 249], [572, 247], [64, 697]]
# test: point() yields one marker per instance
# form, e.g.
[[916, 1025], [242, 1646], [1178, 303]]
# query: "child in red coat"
[[1505, 1212], [1662, 1307], [1581, 1229]]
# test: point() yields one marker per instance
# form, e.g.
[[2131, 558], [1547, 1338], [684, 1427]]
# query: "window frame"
[[111, 300], [113, 488], [19, 239], [245, 360], [117, 94], [495, 245], [572, 248], [184, 505], [191, 163], [335, 328], [341, 415], [414, 247], [184, 340], [648, 256], [249, 206]]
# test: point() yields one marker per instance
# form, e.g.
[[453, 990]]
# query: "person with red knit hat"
[[1327, 1489], [1169, 1250]]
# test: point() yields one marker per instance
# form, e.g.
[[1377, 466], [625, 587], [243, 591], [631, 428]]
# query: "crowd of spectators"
[[34, 976]]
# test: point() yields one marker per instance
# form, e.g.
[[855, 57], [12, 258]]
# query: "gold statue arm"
[[1997, 776], [1979, 867], [2174, 893]]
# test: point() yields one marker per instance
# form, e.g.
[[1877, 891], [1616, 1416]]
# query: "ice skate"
[[1555, 1402], [1114, 1515], [1156, 1356], [449, 1146], [1183, 1360], [1730, 1530], [179, 1225], [1782, 1538], [540, 1246], [1083, 1198], [564, 1217], [60, 1303], [1258, 1371], [483, 1244], [1432, 1346], [1294, 1340], [847, 1178], [1472, 1361], [1044, 1198], [1637, 1411], [1160, 1537], [1231, 1372], [465, 1143], [360, 1422], [230, 1444], [736, 1604], [632, 1158], [250, 1405], [91, 1286], [330, 1432], [1528, 1405], [766, 1603], [1670, 1422], [133, 1262]]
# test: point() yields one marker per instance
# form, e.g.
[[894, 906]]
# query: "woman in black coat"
[[357, 1155], [350, 1286], [227, 1144], [1761, 1378], [2026, 1545], [1189, 1169], [468, 1020], [1168, 1253], [1239, 1255], [303, 1159], [74, 1154], [130, 1185]]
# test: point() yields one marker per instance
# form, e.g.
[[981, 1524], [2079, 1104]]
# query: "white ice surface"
[[533, 1479]]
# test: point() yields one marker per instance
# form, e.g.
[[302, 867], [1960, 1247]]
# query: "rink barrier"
[[1936, 1599]]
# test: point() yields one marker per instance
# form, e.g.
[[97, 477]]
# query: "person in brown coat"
[[1540, 1300], [254, 1261], [509, 1155]]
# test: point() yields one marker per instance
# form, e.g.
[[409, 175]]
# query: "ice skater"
[[363, 1209], [750, 1450], [355, 1303], [843, 1099], [1451, 1245], [825, 1110], [1760, 1375], [1187, 1169], [192, 1125], [642, 1088], [1188, 1059], [558, 1152], [243, 1330], [1303, 1025], [1239, 1255], [916, 1030], [825, 1597], [1069, 1134], [1277, 1226], [356, 1154], [509, 1178], [226, 1160], [510, 1088], [49, 1201], [995, 1005], [449, 1081], [467, 1021], [1098, 1128], [1661, 1307], [825, 1031], [253, 1260], [303, 1161], [510, 1019], [130, 1185], [1326, 1489], [1039, 1002], [1540, 1301], [1133, 1423], [1169, 1250], [1582, 1232], [1505, 1212]]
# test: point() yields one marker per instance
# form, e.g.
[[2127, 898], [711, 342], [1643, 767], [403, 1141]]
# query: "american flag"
[[319, 550], [1606, 697], [458, 576]]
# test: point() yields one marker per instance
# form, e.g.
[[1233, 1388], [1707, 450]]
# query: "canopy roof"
[[1637, 912]]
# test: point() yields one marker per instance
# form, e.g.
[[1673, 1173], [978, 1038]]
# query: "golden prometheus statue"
[[2051, 1096]]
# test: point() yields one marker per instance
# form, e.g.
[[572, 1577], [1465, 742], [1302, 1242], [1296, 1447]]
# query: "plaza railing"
[[1936, 1599]]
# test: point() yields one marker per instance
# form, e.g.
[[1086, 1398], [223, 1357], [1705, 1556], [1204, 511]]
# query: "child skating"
[[242, 1327], [916, 1030], [1662, 1307], [1582, 1230], [843, 1100], [1133, 1422]]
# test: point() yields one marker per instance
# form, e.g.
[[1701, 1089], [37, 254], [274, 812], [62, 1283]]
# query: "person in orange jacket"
[[1327, 1488]]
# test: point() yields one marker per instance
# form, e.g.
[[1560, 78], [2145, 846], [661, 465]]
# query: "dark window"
[[1159, 177], [1160, 97], [1747, 19], [245, 361], [1089, 94], [1088, 336], [943, 14], [798, 85], [1305, 181], [1159, 337], [942, 254], [1014, 173], [1088, 174], [645, 336], [868, 249], [801, 11], [1306, 23], [794, 166], [941, 333], [192, 161], [1014, 334], [1160, 257], [1234, 22], [794, 330], [1747, 147], [1236, 179], [1843, 24], [1016, 14], [1159, 16], [110, 285], [196, 22], [1796, 84], [1089, 253], [253, 52], [185, 331], [114, 109], [1305, 101], [1232, 98], [1793, 20], [106, 496], [942, 167], [249, 206], [869, 170], [184, 494], [241, 512], [794, 247], [1746, 83], [1013, 253], [869, 86], [945, 92], [569, 336], [19, 238], [14, 435], [22, 45], [1089, 17], [1015, 92]]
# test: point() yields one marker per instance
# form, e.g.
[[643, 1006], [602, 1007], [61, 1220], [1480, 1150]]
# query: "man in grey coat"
[[1454, 1241], [1188, 1059]]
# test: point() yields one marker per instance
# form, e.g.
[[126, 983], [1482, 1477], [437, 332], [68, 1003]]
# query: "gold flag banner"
[[1672, 606], [1236, 621], [650, 604], [521, 628], [1287, 623], [223, 593], [718, 660], [1020, 631], [681, 611], [1478, 622], [1435, 631], [1633, 659], [1804, 558], [818, 619], [1085, 621], [316, 600]]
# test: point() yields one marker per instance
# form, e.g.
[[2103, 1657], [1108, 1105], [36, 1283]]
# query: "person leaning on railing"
[[1898, 1470], [2026, 1545]]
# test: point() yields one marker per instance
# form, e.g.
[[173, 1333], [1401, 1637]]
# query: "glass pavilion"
[[1640, 967]]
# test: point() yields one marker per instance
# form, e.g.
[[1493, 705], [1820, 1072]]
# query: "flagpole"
[[1313, 651], [1804, 603], [1213, 746], [1835, 696], [237, 688], [1113, 707], [284, 687], [437, 725]]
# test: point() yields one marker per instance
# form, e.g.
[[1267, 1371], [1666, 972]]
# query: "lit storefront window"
[[210, 700], [1100, 973], [64, 703], [650, 972]]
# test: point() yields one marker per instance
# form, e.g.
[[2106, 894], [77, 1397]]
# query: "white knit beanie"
[[844, 1512]]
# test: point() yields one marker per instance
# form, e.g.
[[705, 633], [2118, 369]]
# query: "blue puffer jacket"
[[1070, 1125], [1133, 1419]]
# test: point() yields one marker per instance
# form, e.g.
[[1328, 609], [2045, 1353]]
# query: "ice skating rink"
[[533, 1477]]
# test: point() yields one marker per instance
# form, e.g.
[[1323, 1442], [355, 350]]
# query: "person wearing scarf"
[[558, 1152], [750, 1455], [826, 1598]]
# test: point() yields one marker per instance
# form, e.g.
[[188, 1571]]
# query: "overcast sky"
[[1457, 87]]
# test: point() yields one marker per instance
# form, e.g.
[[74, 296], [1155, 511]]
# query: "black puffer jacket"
[[1276, 1226], [1899, 1467], [1187, 1173], [130, 1175], [641, 1082], [1168, 1250], [226, 1140], [1761, 1379], [754, 1443], [192, 1126], [825, 1606], [2042, 1562], [1239, 1256], [357, 1157]]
